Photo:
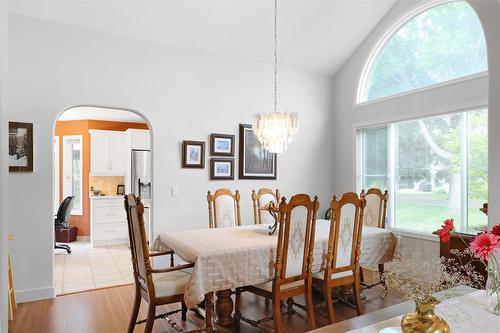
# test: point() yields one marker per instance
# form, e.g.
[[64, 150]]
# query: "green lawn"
[[426, 212]]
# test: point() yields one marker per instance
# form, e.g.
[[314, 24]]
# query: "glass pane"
[[428, 172], [443, 43], [76, 174], [374, 169], [477, 160]]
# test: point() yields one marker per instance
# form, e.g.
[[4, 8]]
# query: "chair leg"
[[381, 271], [208, 312], [150, 319], [329, 302], [278, 323], [183, 311], [357, 296], [135, 311], [310, 307], [289, 305]]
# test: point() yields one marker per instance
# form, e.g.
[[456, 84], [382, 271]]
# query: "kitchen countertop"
[[106, 197]]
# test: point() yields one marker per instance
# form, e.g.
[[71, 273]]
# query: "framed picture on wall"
[[120, 190], [222, 168], [20, 147], [255, 162], [221, 144], [193, 154]]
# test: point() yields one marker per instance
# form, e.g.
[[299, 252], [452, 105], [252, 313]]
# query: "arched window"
[[439, 44]]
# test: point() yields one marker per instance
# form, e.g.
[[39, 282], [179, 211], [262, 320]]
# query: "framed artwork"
[[193, 154], [255, 162], [20, 147], [120, 190], [222, 168], [221, 144]]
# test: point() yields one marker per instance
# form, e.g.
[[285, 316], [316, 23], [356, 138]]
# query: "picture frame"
[[255, 162], [193, 154], [20, 147], [120, 189], [222, 169], [221, 144]]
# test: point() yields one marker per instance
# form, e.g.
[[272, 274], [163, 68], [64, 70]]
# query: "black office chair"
[[62, 220]]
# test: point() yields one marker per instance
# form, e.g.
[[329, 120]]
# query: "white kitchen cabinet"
[[108, 221], [108, 153], [139, 139]]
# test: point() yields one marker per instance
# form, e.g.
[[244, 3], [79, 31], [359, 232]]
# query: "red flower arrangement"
[[496, 230], [446, 230], [483, 245]]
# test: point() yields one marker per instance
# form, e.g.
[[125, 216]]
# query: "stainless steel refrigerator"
[[141, 181]]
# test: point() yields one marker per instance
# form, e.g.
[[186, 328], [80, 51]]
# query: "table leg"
[[224, 308]]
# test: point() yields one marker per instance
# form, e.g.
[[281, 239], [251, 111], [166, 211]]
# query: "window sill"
[[415, 234], [77, 212]]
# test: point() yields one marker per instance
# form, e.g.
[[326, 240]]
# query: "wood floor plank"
[[108, 311]]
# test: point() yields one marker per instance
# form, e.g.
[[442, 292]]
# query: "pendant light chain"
[[275, 55], [274, 129]]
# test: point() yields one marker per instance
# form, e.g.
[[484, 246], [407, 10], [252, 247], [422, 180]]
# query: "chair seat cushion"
[[321, 275], [171, 283], [268, 286]]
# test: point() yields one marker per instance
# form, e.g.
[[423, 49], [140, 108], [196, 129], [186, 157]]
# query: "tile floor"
[[90, 268]]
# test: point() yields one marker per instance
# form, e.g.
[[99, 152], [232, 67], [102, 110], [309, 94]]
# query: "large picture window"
[[442, 43], [435, 168]]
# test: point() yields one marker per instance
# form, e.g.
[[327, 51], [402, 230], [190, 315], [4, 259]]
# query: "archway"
[[100, 153]]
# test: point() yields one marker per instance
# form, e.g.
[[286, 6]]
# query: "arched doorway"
[[100, 153]]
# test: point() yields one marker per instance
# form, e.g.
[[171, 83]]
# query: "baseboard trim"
[[29, 295], [83, 238]]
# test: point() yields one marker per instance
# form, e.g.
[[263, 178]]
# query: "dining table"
[[228, 258]]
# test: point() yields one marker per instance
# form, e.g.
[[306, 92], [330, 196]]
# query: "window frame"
[[389, 124], [65, 170], [379, 44]]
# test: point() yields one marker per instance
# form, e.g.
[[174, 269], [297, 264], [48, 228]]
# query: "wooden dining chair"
[[293, 264], [223, 208], [375, 215], [156, 286], [376, 207], [260, 199], [342, 259]]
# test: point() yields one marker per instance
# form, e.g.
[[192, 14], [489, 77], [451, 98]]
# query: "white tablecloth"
[[227, 258], [464, 314]]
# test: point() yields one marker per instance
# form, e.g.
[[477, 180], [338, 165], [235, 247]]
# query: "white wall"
[[3, 169], [184, 96], [348, 116]]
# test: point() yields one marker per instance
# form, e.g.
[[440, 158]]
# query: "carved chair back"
[[223, 208], [261, 198], [138, 244], [345, 235], [295, 246], [376, 207]]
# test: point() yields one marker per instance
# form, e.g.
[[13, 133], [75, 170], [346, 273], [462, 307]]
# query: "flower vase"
[[424, 320], [493, 285]]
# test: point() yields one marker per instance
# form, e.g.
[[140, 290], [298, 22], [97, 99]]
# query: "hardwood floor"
[[107, 311]]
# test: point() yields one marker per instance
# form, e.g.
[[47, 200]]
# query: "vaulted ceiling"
[[314, 35]]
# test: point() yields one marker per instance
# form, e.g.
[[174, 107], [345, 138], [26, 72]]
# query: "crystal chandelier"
[[275, 130]]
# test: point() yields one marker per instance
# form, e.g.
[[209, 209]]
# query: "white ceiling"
[[315, 35], [94, 113]]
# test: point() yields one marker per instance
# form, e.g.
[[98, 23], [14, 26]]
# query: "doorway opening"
[[100, 154]]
